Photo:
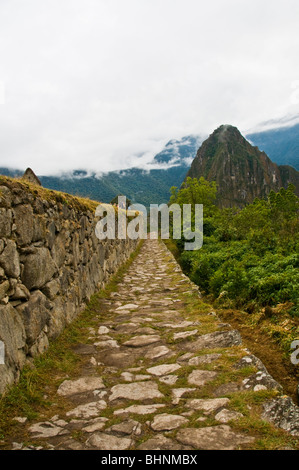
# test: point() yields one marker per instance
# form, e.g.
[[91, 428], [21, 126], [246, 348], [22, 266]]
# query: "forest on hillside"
[[250, 256]]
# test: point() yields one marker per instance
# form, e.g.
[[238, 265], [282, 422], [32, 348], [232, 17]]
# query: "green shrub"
[[252, 254]]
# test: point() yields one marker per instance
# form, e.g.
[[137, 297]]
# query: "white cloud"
[[104, 84], [2, 93]]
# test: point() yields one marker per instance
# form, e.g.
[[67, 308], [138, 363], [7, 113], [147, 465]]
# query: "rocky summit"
[[242, 172], [160, 371]]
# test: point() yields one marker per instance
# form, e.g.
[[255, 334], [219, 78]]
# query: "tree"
[[195, 191], [284, 202]]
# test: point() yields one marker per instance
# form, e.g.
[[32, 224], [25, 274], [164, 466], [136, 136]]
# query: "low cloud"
[[104, 85]]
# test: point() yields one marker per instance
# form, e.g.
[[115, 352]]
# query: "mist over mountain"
[[143, 186], [180, 152]]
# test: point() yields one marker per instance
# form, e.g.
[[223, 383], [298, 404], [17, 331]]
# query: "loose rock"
[[89, 410], [201, 377], [213, 438], [84, 384], [167, 422], [103, 441], [136, 391], [142, 340], [163, 369]]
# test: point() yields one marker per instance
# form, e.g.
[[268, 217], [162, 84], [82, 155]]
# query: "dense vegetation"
[[249, 257]]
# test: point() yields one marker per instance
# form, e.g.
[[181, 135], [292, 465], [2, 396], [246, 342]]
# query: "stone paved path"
[[161, 372]]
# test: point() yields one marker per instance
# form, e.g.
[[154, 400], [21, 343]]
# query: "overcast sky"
[[104, 84]]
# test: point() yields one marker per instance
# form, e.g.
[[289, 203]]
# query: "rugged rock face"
[[51, 262], [241, 171], [283, 413], [31, 177]]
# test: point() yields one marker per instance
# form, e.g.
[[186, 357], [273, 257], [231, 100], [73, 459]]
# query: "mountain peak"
[[226, 128], [31, 177], [242, 172], [227, 132]]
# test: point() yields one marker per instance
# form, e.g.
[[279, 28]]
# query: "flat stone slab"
[[182, 324], [120, 360], [103, 441], [108, 344], [184, 334], [163, 369], [156, 352], [84, 384], [135, 391], [213, 438], [96, 424], [205, 359], [160, 442], [127, 428], [127, 307], [46, 430], [201, 377], [142, 340], [160, 303], [126, 328], [139, 409], [218, 339], [88, 410], [224, 416], [209, 405], [167, 422], [146, 330], [129, 377], [137, 321]]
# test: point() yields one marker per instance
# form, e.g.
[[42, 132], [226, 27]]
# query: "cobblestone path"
[[162, 373]]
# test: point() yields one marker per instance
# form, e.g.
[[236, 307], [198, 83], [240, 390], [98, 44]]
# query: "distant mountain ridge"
[[181, 151], [242, 172], [142, 186], [281, 145], [169, 168]]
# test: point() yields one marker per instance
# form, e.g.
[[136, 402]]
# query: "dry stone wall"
[[51, 262]]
